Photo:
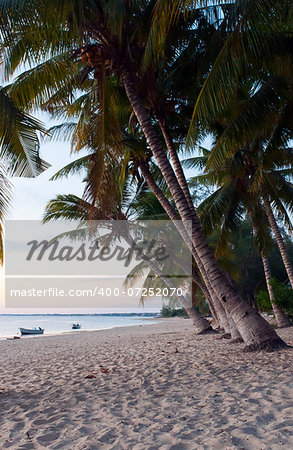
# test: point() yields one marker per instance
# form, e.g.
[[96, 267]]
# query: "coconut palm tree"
[[224, 209], [267, 146], [257, 217], [132, 201], [252, 135], [279, 239]]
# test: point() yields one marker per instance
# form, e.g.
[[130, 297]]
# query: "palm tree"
[[251, 151], [224, 209], [84, 133], [19, 151], [129, 203], [238, 254], [281, 318], [269, 159], [257, 217], [279, 239], [114, 42]]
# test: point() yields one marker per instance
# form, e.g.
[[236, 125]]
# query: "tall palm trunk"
[[214, 316], [255, 331], [181, 182], [200, 323], [211, 295], [222, 316], [195, 285], [205, 292], [281, 318], [279, 239], [235, 335], [176, 162]]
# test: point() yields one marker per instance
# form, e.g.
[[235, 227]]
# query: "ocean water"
[[60, 323]]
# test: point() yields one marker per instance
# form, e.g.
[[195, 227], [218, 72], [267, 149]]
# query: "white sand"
[[153, 387]]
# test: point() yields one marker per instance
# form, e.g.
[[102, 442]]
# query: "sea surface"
[[61, 323]]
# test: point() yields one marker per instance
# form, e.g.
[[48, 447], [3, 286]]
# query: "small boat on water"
[[32, 330], [76, 326]]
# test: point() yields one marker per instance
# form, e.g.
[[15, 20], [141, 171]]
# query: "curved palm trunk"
[[218, 308], [281, 318], [201, 324], [193, 296], [279, 239], [210, 303], [222, 315], [214, 317], [176, 162], [198, 283], [255, 331], [235, 335], [211, 295]]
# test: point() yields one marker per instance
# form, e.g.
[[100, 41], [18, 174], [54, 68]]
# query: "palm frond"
[[251, 42], [67, 207], [72, 168], [19, 143], [5, 196]]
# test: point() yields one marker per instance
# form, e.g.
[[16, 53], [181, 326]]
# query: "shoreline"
[[128, 387], [61, 333]]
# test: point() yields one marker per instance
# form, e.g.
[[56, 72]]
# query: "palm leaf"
[[19, 143], [5, 195]]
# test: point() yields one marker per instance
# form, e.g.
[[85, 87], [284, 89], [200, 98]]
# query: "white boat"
[[31, 330]]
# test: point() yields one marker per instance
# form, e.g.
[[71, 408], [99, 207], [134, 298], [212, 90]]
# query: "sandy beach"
[[154, 386]]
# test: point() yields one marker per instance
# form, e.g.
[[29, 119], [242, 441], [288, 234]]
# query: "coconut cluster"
[[92, 56]]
